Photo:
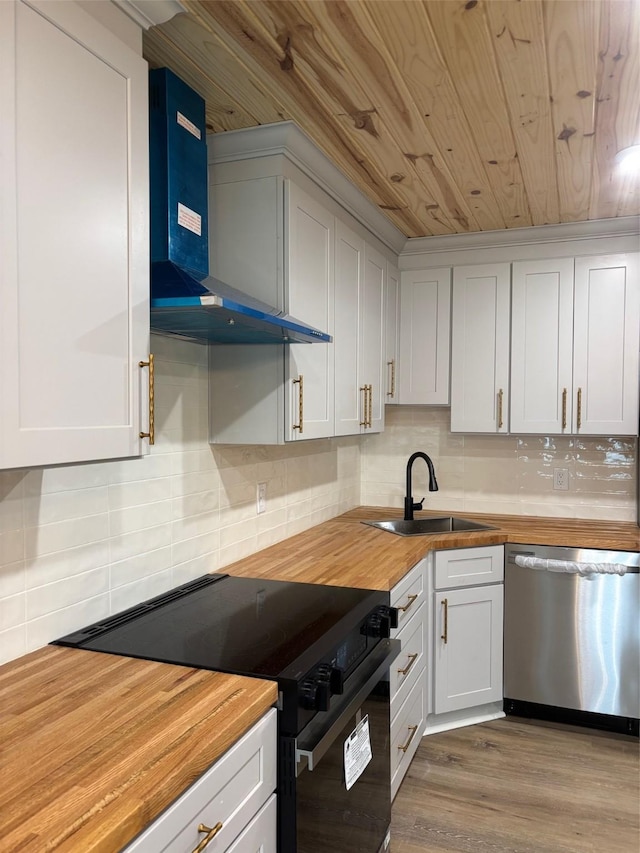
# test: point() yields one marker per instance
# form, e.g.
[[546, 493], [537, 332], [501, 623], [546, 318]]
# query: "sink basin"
[[429, 526]]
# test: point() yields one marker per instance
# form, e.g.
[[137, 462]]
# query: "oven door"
[[317, 812]]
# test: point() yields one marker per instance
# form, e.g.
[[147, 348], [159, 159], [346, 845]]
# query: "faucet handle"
[[418, 505]]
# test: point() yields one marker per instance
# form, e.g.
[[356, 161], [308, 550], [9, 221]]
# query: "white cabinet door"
[[425, 301], [372, 337], [391, 338], [310, 293], [349, 399], [74, 238], [467, 647], [480, 348], [541, 346], [605, 347]]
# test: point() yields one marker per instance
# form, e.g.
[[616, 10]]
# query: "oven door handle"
[[316, 738]]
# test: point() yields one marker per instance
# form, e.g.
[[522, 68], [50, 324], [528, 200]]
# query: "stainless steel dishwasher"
[[572, 635]]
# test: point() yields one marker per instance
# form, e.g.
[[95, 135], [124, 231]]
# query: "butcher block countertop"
[[345, 552], [94, 746]]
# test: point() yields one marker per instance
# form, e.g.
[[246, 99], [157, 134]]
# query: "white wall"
[[498, 473], [78, 542]]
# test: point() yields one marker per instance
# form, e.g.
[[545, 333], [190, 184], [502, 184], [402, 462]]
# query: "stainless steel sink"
[[429, 526]]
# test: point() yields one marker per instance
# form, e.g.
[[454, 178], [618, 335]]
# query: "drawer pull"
[[211, 831], [405, 746], [412, 660], [410, 600], [444, 636]]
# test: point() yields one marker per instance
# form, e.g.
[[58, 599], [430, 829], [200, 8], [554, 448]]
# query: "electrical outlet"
[[561, 479], [261, 498]]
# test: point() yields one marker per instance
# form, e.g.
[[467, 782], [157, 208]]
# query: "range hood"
[[186, 302]]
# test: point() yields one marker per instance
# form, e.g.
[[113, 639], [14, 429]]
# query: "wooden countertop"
[[94, 746], [345, 552]]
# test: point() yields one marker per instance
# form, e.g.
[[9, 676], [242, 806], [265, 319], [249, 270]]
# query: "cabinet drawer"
[[406, 732], [408, 595], [230, 792], [411, 661], [469, 566], [260, 834]]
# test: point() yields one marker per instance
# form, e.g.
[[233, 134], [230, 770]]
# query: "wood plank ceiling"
[[450, 115]]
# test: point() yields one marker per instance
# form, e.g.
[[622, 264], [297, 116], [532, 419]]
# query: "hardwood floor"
[[520, 786]]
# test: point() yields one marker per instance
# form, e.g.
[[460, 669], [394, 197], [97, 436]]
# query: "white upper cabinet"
[[605, 347], [425, 329], [349, 399], [273, 241], [542, 346], [574, 350], [391, 335], [480, 348], [358, 338], [74, 238], [372, 310], [309, 295]]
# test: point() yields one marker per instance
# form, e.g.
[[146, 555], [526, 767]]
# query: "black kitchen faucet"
[[409, 505]]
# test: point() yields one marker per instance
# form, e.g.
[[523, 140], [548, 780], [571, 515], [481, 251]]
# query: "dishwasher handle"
[[315, 740], [571, 567]]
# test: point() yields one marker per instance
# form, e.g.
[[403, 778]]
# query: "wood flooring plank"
[[520, 786]]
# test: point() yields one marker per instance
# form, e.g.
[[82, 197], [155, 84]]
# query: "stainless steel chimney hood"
[[185, 301]]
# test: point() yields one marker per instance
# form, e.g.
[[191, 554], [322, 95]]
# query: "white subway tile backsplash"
[[11, 546], [195, 548], [13, 643], [12, 611], [46, 599], [60, 622], [126, 596], [13, 579], [61, 535], [123, 495], [122, 521], [142, 565], [63, 506], [140, 542]]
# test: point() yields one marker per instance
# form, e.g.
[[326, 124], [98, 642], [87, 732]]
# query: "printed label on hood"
[[189, 219], [193, 129]]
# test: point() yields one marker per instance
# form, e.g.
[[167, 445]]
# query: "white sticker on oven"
[[193, 129], [189, 219], [357, 752]]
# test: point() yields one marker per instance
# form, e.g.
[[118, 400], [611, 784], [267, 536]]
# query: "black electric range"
[[329, 651]]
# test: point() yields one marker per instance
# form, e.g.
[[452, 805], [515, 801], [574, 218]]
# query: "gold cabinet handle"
[[405, 746], [151, 435], [579, 419], [211, 831], [370, 420], [564, 408], [365, 391], [445, 617], [392, 365], [300, 382], [412, 659], [500, 421], [410, 600]]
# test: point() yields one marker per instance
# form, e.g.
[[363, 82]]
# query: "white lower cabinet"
[[408, 675], [465, 636], [236, 794]]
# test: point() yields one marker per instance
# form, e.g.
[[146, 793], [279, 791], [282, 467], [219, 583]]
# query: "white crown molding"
[[287, 139], [150, 13], [625, 226]]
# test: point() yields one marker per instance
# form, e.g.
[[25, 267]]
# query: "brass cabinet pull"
[[300, 425], [412, 660], [410, 600], [211, 831], [370, 424], [564, 408], [365, 390], [392, 365], [151, 435], [445, 633], [405, 746], [579, 420], [500, 421]]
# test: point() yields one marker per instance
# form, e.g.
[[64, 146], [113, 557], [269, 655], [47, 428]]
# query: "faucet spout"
[[409, 505]]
